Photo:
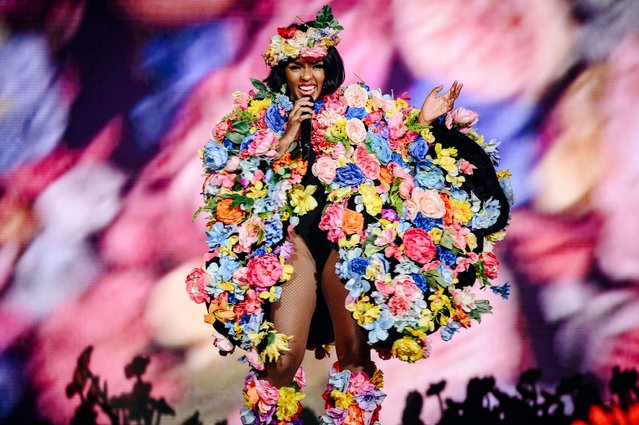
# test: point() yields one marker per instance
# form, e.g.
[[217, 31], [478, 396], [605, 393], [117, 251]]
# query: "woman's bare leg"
[[353, 352], [292, 314]]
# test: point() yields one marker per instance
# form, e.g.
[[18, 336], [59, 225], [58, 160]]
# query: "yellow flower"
[[289, 49], [364, 312], [378, 379], [339, 194], [436, 234], [301, 198], [288, 404], [497, 236], [257, 191], [278, 343], [503, 173], [286, 273], [455, 180], [258, 105], [371, 199], [337, 129], [439, 301], [427, 135], [269, 295], [471, 241], [349, 242], [342, 400], [426, 321], [407, 350], [461, 210]]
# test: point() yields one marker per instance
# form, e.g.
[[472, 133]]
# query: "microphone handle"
[[305, 129]]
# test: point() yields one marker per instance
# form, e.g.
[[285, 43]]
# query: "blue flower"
[[319, 104], [378, 330], [259, 251], [421, 282], [487, 216], [284, 102], [273, 230], [448, 330], [247, 140], [446, 256], [339, 380], [395, 157], [358, 265], [218, 235], [429, 177], [503, 290], [215, 156], [426, 223], [418, 148], [227, 266], [446, 273], [274, 118], [356, 286], [350, 175], [379, 146], [356, 113]]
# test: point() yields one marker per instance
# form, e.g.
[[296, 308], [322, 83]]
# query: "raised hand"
[[302, 110], [434, 106]]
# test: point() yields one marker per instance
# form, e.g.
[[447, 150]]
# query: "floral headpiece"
[[310, 42]]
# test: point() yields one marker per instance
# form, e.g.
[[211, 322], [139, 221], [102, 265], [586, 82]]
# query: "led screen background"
[[104, 105]]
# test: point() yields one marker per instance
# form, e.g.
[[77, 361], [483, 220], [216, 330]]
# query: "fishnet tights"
[[292, 315]]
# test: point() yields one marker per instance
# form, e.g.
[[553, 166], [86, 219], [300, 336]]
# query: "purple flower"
[[370, 400]]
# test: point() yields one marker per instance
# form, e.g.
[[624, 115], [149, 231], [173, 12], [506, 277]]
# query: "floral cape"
[[404, 226]]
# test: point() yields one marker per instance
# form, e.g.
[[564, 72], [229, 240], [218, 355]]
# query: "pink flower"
[[254, 360], [332, 220], [384, 288], [356, 96], [419, 245], [327, 117], [239, 276], [491, 264], [264, 143], [398, 305], [313, 55], [264, 271], [325, 169], [268, 394], [406, 187], [429, 202], [405, 286], [356, 130], [249, 232], [335, 103], [359, 383], [300, 377], [223, 344], [196, 282], [233, 164], [396, 125], [462, 118], [221, 129], [367, 162], [411, 209], [466, 167], [373, 117]]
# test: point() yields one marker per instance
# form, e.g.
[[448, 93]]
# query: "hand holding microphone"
[[298, 124]]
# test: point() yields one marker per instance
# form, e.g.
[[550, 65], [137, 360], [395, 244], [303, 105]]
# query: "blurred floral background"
[[104, 104]]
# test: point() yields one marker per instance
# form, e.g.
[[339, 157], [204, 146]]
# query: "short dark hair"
[[333, 73]]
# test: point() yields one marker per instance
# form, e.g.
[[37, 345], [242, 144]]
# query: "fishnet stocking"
[[353, 352], [292, 313]]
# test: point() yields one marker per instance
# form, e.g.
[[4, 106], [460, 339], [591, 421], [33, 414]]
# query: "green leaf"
[[259, 85], [235, 137], [240, 126]]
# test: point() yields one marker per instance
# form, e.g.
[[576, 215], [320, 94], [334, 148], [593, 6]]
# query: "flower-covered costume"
[[414, 211]]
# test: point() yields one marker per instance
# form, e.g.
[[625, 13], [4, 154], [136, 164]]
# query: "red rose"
[[287, 33], [419, 245]]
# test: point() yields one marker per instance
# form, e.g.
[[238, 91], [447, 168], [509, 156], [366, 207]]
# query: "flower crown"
[[310, 42]]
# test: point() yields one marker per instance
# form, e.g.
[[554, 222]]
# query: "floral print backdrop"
[[103, 106]]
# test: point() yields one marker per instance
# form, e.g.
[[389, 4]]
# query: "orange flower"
[[226, 213], [355, 415], [353, 222], [463, 318], [385, 175], [282, 162], [219, 310], [448, 216]]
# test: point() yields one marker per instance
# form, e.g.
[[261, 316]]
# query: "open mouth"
[[307, 90]]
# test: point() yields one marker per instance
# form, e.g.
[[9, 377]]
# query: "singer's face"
[[305, 78]]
